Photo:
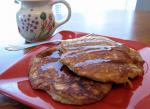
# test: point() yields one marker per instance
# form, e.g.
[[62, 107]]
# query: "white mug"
[[36, 21]]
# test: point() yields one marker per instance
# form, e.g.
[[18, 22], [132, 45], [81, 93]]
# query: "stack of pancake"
[[82, 70]]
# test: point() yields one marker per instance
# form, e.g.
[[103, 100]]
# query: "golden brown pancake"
[[101, 59], [48, 74]]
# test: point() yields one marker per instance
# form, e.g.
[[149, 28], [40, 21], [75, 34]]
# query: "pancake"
[[101, 59], [47, 73], [78, 43]]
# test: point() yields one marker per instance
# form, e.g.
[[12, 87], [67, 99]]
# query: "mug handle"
[[57, 24]]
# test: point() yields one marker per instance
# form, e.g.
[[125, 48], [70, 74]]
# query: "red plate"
[[14, 83]]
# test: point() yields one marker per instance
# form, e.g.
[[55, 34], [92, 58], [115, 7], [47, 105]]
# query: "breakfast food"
[[101, 59], [47, 73], [82, 70], [77, 43]]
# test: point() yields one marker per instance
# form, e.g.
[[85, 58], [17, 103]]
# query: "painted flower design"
[[47, 24], [38, 27], [43, 16], [28, 24]]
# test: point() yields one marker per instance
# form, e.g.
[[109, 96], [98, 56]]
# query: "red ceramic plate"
[[15, 84]]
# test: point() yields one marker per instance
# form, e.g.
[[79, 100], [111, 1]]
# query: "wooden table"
[[120, 24]]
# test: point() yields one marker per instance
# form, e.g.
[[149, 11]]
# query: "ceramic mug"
[[36, 21]]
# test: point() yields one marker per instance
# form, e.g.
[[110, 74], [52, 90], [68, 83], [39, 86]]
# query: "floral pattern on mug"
[[29, 25], [47, 24]]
